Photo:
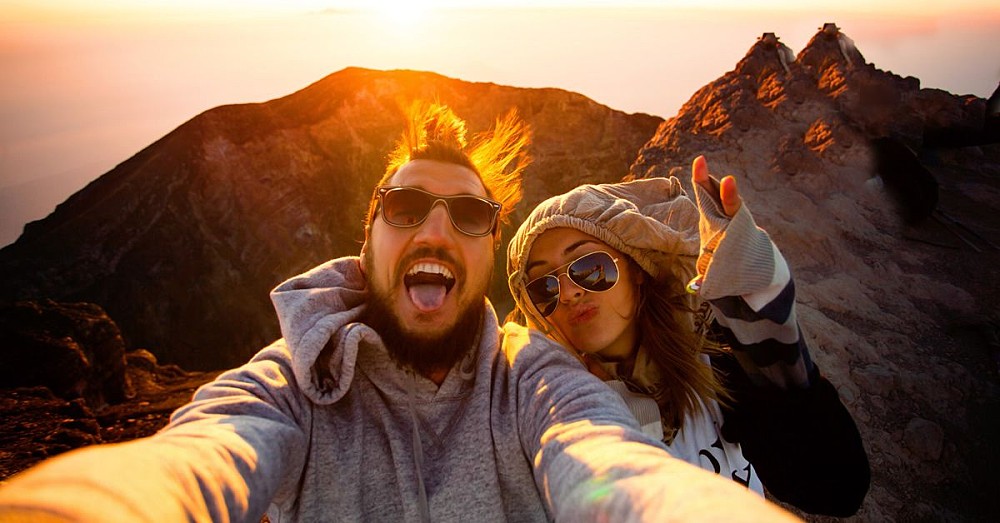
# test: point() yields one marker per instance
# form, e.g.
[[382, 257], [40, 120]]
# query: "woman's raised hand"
[[727, 193]]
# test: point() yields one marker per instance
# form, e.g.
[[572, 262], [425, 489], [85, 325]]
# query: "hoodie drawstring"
[[418, 454]]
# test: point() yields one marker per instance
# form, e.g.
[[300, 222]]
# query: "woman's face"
[[592, 322]]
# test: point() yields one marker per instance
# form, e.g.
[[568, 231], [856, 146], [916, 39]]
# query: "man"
[[394, 394]]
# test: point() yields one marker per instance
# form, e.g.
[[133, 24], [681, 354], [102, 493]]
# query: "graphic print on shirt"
[[713, 460]]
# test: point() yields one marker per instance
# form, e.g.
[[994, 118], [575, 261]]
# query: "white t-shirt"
[[699, 441]]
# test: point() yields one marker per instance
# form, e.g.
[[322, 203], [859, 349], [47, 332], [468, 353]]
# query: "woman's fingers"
[[699, 173], [728, 195]]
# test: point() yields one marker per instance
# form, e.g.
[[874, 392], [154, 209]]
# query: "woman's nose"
[[568, 289]]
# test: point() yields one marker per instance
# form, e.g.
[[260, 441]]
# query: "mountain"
[[181, 243], [882, 195], [884, 198]]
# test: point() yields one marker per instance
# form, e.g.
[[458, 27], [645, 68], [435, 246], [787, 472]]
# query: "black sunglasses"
[[594, 272], [409, 207]]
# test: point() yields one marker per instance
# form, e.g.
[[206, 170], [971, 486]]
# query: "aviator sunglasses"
[[409, 207], [594, 272]]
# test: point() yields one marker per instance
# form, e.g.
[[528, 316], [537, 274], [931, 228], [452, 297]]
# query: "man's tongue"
[[428, 297]]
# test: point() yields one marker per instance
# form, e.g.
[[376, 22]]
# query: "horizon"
[[88, 86]]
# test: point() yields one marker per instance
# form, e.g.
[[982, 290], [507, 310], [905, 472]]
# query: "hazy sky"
[[88, 83]]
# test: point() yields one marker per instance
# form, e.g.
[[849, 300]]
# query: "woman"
[[688, 311]]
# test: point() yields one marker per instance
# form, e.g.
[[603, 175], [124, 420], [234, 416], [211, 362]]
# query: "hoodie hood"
[[319, 311], [652, 221], [315, 307]]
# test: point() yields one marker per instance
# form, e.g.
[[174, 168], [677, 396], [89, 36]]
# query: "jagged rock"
[[73, 433], [141, 359], [144, 361], [888, 268], [74, 349], [76, 408], [182, 242]]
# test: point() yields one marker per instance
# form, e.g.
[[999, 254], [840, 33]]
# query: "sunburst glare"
[[400, 13]]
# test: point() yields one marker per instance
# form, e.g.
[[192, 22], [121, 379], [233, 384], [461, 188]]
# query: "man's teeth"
[[431, 268]]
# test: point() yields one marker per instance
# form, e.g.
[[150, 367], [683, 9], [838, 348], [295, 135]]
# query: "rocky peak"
[[830, 48], [883, 198], [810, 109], [767, 56]]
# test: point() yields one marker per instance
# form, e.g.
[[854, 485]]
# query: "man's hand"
[[727, 194]]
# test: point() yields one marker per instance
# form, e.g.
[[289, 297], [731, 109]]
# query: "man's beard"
[[422, 353]]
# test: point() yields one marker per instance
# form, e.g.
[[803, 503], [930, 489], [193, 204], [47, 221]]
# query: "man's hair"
[[498, 156]]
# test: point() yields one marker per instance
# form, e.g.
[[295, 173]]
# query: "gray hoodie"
[[518, 431], [396, 440]]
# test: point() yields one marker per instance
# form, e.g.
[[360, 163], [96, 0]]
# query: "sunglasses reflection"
[[593, 272]]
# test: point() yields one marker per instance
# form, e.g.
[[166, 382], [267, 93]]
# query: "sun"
[[398, 12]]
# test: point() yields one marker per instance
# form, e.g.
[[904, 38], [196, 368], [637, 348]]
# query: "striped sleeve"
[[749, 286]]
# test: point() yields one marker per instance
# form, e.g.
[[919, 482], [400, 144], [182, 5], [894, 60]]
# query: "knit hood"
[[652, 221]]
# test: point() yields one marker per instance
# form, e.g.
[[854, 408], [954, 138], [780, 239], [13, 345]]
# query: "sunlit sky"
[[200, 6], [88, 83]]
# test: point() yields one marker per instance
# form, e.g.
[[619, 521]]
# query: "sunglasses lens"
[[471, 215], [407, 207], [404, 207], [595, 272], [544, 293]]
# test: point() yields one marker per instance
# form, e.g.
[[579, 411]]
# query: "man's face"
[[404, 266]]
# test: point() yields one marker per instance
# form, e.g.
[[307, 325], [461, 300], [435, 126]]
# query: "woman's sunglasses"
[[409, 207], [594, 272]]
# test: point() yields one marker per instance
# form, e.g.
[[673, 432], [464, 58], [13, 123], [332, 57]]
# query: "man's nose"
[[437, 226]]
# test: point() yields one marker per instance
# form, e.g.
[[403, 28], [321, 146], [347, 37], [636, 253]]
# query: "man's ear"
[[364, 254]]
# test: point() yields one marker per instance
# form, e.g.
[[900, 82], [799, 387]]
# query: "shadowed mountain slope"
[[181, 243]]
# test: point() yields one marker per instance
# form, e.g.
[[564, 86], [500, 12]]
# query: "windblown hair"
[[498, 156], [675, 335]]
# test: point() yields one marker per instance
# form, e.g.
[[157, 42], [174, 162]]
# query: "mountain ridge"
[[243, 196]]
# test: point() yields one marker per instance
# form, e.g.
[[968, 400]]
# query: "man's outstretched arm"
[[593, 463], [222, 458]]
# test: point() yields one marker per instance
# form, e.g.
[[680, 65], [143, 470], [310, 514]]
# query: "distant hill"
[[181, 243], [883, 196]]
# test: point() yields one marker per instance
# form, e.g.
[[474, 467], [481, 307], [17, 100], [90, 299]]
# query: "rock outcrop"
[[883, 197], [182, 242], [73, 349]]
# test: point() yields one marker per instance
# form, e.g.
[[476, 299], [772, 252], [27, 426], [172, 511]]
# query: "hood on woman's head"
[[652, 221]]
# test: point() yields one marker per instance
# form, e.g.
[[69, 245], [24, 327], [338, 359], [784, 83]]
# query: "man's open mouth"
[[428, 284]]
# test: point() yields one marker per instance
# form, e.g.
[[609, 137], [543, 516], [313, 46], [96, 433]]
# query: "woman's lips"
[[582, 314]]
